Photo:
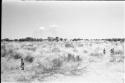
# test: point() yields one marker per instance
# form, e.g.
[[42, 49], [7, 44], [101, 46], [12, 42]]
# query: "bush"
[[78, 58], [57, 63], [7, 52], [96, 54], [117, 58], [29, 59], [85, 51], [70, 57], [55, 50], [73, 58], [68, 45], [60, 64], [3, 53], [17, 56]]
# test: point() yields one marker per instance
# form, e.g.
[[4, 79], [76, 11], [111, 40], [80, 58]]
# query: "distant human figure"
[[112, 51], [104, 51], [22, 64]]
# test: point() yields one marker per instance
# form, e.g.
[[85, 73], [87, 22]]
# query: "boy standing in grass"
[[22, 64]]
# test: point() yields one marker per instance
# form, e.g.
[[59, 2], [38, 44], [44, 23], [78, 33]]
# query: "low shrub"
[[68, 45], [117, 58], [55, 50], [62, 64], [57, 63], [70, 57], [85, 51], [96, 54], [78, 58], [29, 59], [3, 53], [17, 56]]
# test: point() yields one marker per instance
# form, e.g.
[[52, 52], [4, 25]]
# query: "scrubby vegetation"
[[47, 58]]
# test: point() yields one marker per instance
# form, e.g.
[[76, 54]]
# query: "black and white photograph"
[[62, 41]]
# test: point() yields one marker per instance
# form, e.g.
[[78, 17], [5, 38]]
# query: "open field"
[[85, 61]]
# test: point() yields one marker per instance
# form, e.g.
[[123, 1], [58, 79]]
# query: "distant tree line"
[[116, 39], [23, 39], [61, 39], [36, 39]]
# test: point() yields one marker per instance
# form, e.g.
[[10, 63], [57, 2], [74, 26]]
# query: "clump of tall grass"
[[73, 58], [69, 45], [55, 50], [116, 56], [60, 64], [95, 57], [85, 51], [98, 55], [17, 56], [8, 52], [29, 59], [3, 53]]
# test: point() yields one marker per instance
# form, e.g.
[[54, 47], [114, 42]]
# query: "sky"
[[63, 19]]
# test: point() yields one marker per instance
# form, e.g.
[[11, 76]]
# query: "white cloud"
[[42, 28]]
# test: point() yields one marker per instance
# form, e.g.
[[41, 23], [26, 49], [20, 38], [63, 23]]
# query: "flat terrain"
[[85, 61]]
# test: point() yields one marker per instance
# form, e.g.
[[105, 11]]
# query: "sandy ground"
[[97, 70], [96, 73]]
